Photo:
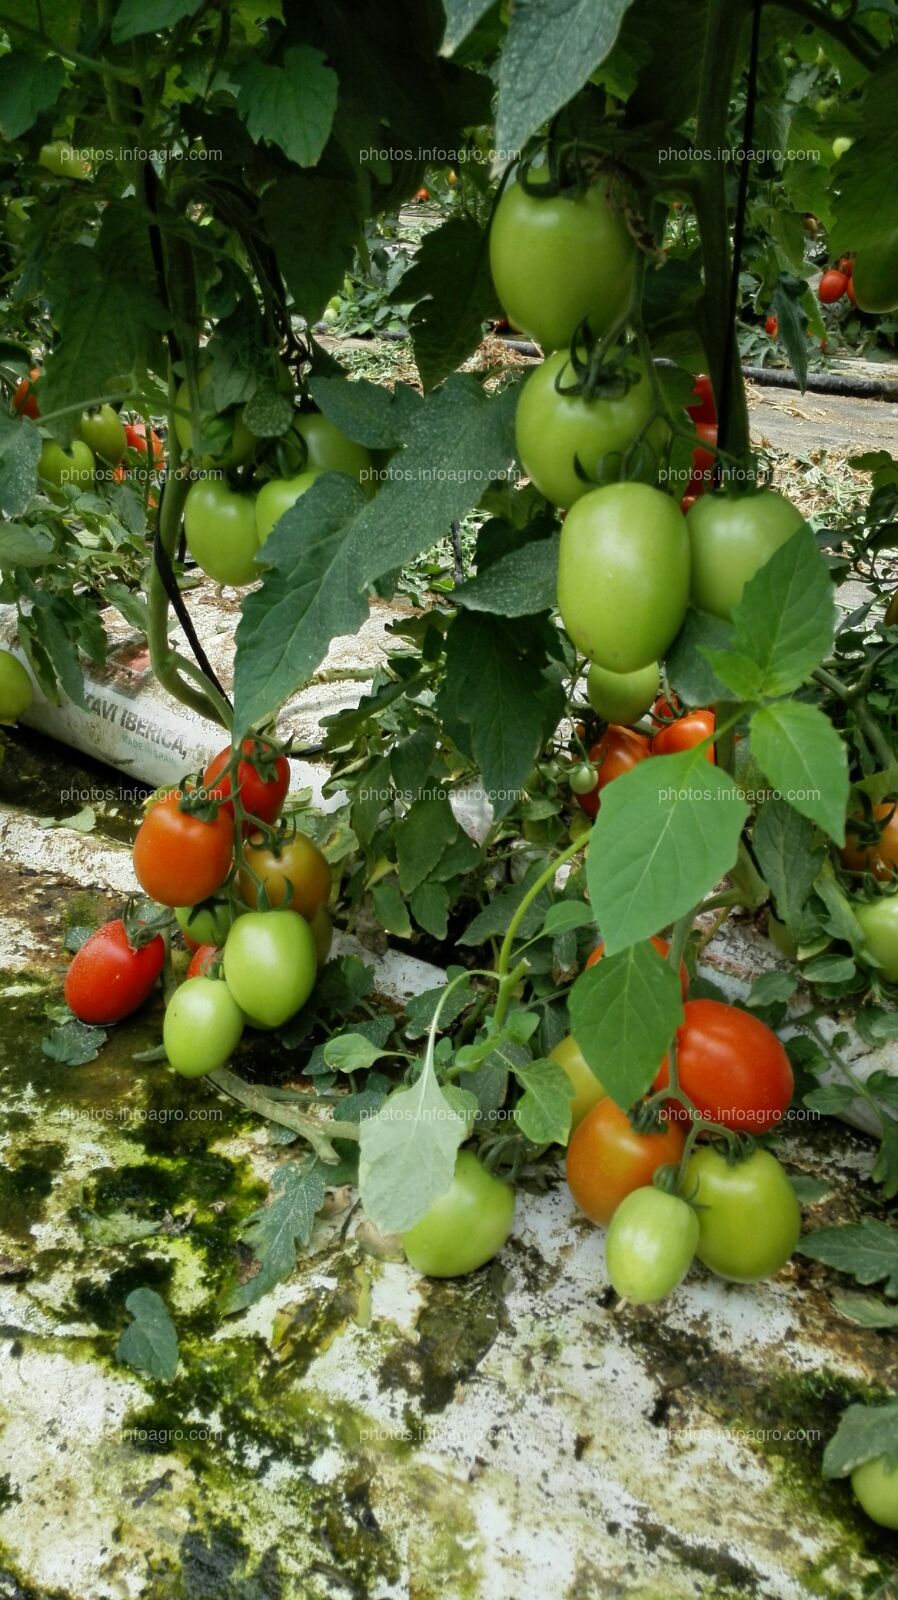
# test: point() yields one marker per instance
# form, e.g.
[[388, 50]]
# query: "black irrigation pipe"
[[764, 377]]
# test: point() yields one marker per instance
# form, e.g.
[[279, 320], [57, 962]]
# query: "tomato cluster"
[[620, 748]]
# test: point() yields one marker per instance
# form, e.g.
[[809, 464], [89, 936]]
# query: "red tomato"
[[663, 949], [24, 403], [107, 979], [617, 751], [687, 731], [732, 1066], [178, 858], [703, 458], [703, 408], [607, 1159], [849, 290], [422, 194], [262, 781], [831, 287], [202, 960], [688, 501], [665, 708], [846, 264], [136, 439], [772, 327]]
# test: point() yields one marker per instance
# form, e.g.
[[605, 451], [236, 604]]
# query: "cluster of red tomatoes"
[[739, 1215], [703, 412], [250, 897], [621, 748], [837, 282], [120, 447]]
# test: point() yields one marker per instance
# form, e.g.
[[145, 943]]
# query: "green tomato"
[[582, 778], [229, 429], [58, 466], [558, 259], [103, 431], [586, 1086], [330, 450], [207, 923], [59, 158], [879, 925], [464, 1227], [875, 276], [876, 1489], [202, 1027], [270, 965], [553, 431], [322, 929], [221, 532], [748, 1217], [623, 575], [622, 697], [733, 536], [277, 496], [841, 146], [651, 1243], [16, 692]]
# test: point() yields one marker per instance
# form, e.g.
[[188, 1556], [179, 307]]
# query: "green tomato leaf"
[[461, 17], [390, 910], [802, 755], [624, 1013], [688, 669], [865, 1309], [133, 18], [291, 106], [551, 50], [313, 223], [517, 585], [419, 1011], [364, 411], [783, 625], [430, 908], [666, 833], [866, 1251], [422, 837], [150, 1344], [407, 1152], [351, 1052], [543, 1112], [450, 287], [28, 86], [20, 448], [74, 1043], [272, 1232], [864, 1432], [568, 914], [772, 988], [495, 918], [789, 856]]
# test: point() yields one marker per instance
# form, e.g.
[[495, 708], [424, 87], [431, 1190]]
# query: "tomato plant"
[[871, 845], [220, 527], [622, 697], [663, 949], [202, 1027], [652, 1240], [732, 537], [179, 856], [879, 925], [207, 923], [623, 575], [607, 1158], [262, 780], [617, 751], [103, 432], [687, 731], [732, 1067], [749, 1219], [108, 978], [58, 466], [558, 432], [465, 1227], [270, 965], [290, 869], [277, 496]]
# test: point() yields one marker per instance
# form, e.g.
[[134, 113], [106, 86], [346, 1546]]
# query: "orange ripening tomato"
[[607, 1159], [179, 859], [663, 949], [772, 327], [24, 403], [732, 1067], [873, 847], [683, 734], [202, 960], [618, 750]]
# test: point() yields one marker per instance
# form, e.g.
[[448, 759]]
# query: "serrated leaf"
[[20, 448], [662, 840], [830, 969], [520, 584], [624, 1012], [864, 1432], [365, 412], [24, 547], [150, 1344], [422, 837], [296, 1197], [788, 854], [772, 988], [867, 1310], [568, 914], [551, 50], [74, 1043], [407, 1153], [689, 671], [830, 1099], [29, 84], [134, 18], [450, 287], [783, 625], [543, 1112], [802, 755], [867, 1251], [291, 105]]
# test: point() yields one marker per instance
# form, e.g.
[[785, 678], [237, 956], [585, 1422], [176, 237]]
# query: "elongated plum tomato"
[[831, 287], [16, 692], [732, 1066], [622, 697], [559, 258], [749, 1219], [876, 1490], [873, 848], [58, 466], [328, 449], [293, 871], [607, 1159], [623, 575], [663, 949], [588, 1091], [220, 527], [554, 430], [702, 408], [879, 925], [685, 733], [24, 403], [103, 432], [179, 857], [651, 1244], [875, 276], [277, 496], [202, 1027], [732, 536], [618, 750], [107, 979], [262, 780], [202, 961], [270, 965], [465, 1227]]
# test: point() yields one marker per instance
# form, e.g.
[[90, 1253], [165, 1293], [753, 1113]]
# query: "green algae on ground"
[[456, 1328]]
